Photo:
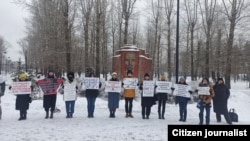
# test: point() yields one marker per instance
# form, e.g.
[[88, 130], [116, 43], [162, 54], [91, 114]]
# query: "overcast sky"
[[12, 27]]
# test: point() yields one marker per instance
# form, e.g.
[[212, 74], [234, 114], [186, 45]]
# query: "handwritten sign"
[[163, 87], [113, 86], [203, 90], [90, 83], [130, 83], [148, 89], [69, 92], [19, 88], [182, 90]]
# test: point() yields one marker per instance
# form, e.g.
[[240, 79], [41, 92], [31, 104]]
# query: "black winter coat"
[[93, 92], [23, 101], [220, 99], [146, 101]]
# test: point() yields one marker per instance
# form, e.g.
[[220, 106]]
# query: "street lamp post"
[[177, 44]]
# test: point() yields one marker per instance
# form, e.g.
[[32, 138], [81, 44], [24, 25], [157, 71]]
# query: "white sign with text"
[[148, 88]]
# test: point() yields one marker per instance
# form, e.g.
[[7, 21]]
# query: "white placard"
[[69, 92], [90, 83], [182, 90], [148, 88], [18, 88], [130, 83], [113, 86], [163, 87], [203, 90]]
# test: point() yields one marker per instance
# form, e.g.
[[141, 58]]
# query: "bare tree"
[[169, 8], [233, 12], [207, 14], [127, 10], [191, 9], [2, 52]]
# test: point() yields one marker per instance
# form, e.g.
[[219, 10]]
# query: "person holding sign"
[[182, 98], [204, 102], [49, 86], [162, 97], [69, 87], [129, 95], [91, 95], [220, 99], [113, 98], [147, 100], [22, 100]]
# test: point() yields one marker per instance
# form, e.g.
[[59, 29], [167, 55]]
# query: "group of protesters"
[[51, 85]]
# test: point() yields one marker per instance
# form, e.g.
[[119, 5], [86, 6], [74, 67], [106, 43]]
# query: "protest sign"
[[148, 88], [130, 83], [18, 88], [203, 90], [163, 87], [91, 83], [182, 90], [113, 86]]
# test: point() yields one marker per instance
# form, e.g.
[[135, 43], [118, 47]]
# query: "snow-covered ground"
[[101, 127]]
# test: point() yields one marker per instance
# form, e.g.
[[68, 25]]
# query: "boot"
[[159, 114], [25, 116], [51, 114], [47, 115], [162, 115], [21, 116], [68, 116], [113, 113]]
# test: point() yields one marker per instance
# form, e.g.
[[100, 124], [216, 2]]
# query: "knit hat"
[[114, 73], [220, 79], [22, 76], [182, 79]]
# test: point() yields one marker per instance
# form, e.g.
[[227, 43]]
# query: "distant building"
[[133, 59]]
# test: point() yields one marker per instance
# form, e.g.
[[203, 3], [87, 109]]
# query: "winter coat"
[[23, 101], [220, 99], [207, 99], [69, 90], [146, 101], [113, 98], [93, 92]]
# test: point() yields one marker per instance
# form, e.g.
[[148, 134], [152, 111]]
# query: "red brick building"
[[134, 59]]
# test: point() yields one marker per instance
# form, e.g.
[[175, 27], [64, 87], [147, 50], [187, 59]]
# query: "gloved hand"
[[10, 87], [190, 92], [172, 88], [196, 91]]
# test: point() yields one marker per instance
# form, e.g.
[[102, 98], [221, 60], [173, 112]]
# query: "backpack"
[[233, 115]]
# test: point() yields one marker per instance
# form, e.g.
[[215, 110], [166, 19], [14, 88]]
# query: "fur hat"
[[182, 79], [71, 74]]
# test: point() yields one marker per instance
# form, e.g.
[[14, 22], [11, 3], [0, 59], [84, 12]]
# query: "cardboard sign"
[[148, 88], [130, 83], [163, 87], [90, 83], [182, 90], [113, 86], [69, 92], [203, 90], [18, 88]]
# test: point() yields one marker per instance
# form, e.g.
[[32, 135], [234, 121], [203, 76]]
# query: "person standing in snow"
[[220, 99], [113, 98], [70, 87], [49, 86], [91, 95], [2, 91], [129, 95], [22, 100], [162, 98], [204, 102], [182, 102], [146, 102]]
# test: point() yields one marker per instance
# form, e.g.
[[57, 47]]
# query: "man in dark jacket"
[[222, 94]]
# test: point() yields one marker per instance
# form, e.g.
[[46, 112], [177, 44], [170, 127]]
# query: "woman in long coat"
[[220, 99], [113, 98], [146, 102]]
